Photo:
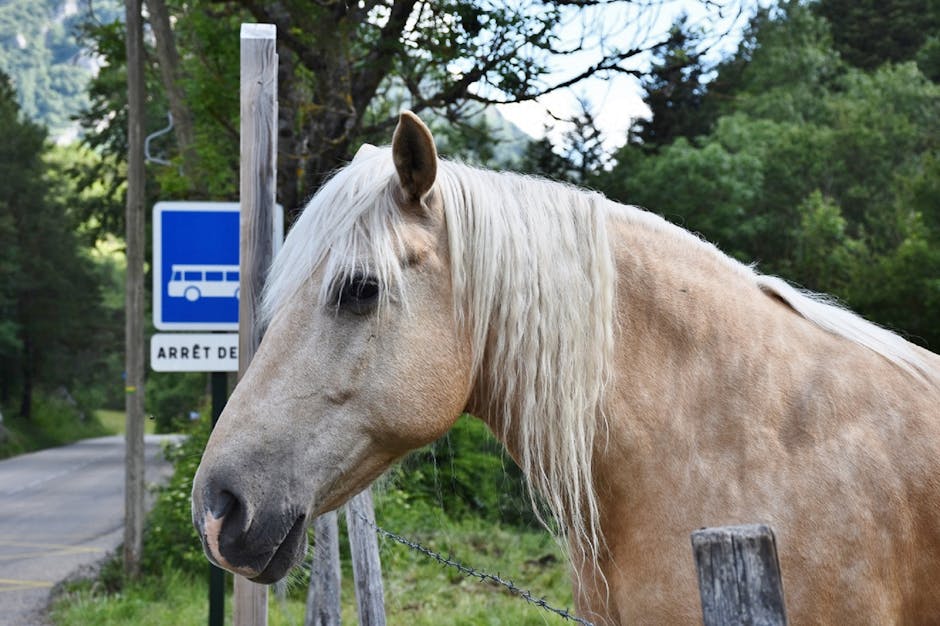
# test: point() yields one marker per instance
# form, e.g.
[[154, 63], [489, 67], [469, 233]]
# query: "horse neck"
[[673, 294]]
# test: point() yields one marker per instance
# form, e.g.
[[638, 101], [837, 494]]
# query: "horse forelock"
[[350, 226]]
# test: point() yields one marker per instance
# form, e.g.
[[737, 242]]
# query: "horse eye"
[[358, 294]]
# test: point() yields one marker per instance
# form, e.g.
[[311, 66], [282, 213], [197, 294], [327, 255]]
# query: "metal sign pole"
[[217, 575]]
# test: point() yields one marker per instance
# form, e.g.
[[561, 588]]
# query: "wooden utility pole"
[[257, 196], [135, 240]]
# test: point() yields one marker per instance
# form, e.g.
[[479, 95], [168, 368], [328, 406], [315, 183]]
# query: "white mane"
[[534, 284]]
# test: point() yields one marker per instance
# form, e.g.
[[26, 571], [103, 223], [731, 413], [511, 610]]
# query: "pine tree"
[[675, 89], [48, 290]]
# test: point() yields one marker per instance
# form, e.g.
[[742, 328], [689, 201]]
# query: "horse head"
[[362, 361]]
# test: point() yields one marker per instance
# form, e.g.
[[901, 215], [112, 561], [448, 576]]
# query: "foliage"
[[675, 89], [39, 48], [345, 70], [825, 253], [172, 396], [57, 420], [52, 324], [822, 172], [170, 541], [868, 33], [467, 474]]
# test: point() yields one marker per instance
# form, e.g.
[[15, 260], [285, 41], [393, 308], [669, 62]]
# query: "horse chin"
[[289, 554]]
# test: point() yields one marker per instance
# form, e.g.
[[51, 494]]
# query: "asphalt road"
[[61, 509]]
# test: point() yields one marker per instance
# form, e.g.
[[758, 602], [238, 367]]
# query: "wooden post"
[[739, 576], [323, 601], [257, 194], [134, 295], [367, 571]]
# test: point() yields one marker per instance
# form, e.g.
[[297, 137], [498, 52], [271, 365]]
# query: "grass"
[[114, 422], [418, 591], [56, 423]]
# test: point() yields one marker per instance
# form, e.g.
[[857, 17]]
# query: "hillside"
[[40, 50]]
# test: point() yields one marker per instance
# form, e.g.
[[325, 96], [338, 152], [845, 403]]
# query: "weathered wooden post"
[[257, 196], [739, 576], [323, 603], [136, 240], [367, 570]]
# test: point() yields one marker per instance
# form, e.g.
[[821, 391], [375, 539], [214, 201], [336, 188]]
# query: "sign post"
[[257, 185], [217, 574]]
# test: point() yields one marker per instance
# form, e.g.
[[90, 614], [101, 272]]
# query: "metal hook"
[[147, 156]]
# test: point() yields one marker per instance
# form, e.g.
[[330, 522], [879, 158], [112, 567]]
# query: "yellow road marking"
[[13, 584], [53, 546], [44, 550]]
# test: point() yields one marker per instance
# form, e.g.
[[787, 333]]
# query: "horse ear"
[[364, 149], [415, 156]]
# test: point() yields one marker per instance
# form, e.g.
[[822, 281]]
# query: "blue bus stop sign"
[[195, 265]]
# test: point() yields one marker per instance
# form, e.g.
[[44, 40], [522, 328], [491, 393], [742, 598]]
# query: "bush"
[[57, 420], [172, 396], [170, 541], [467, 474]]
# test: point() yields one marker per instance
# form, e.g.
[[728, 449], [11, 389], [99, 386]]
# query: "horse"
[[646, 384]]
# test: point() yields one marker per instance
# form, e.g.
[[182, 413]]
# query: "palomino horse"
[[647, 385]]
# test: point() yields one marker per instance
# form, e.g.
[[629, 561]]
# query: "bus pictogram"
[[203, 281]]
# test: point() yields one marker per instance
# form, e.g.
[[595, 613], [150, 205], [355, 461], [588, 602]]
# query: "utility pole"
[[134, 295]]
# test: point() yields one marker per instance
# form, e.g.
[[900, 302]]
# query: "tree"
[[345, 69], [579, 155], [869, 33], [49, 290], [675, 89], [819, 171], [42, 55]]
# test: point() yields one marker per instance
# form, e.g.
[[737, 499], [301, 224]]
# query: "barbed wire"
[[472, 572]]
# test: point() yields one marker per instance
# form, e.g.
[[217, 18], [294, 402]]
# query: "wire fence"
[[472, 572]]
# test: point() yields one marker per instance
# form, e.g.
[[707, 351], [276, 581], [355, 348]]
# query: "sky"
[[617, 100]]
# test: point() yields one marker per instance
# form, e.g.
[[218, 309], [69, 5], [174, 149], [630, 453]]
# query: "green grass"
[[114, 422], [55, 423], [418, 591]]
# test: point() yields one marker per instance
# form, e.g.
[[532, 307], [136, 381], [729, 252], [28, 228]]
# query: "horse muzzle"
[[260, 547]]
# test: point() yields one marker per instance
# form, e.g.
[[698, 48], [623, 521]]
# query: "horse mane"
[[534, 285]]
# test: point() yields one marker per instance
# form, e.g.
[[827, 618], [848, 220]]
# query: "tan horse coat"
[[723, 406], [730, 408]]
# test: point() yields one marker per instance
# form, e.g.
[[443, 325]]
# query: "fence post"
[[739, 576], [257, 196], [367, 571], [323, 602]]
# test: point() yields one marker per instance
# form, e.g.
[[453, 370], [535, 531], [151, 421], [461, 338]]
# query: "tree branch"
[[169, 62]]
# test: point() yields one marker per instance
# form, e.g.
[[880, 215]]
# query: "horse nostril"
[[222, 504]]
